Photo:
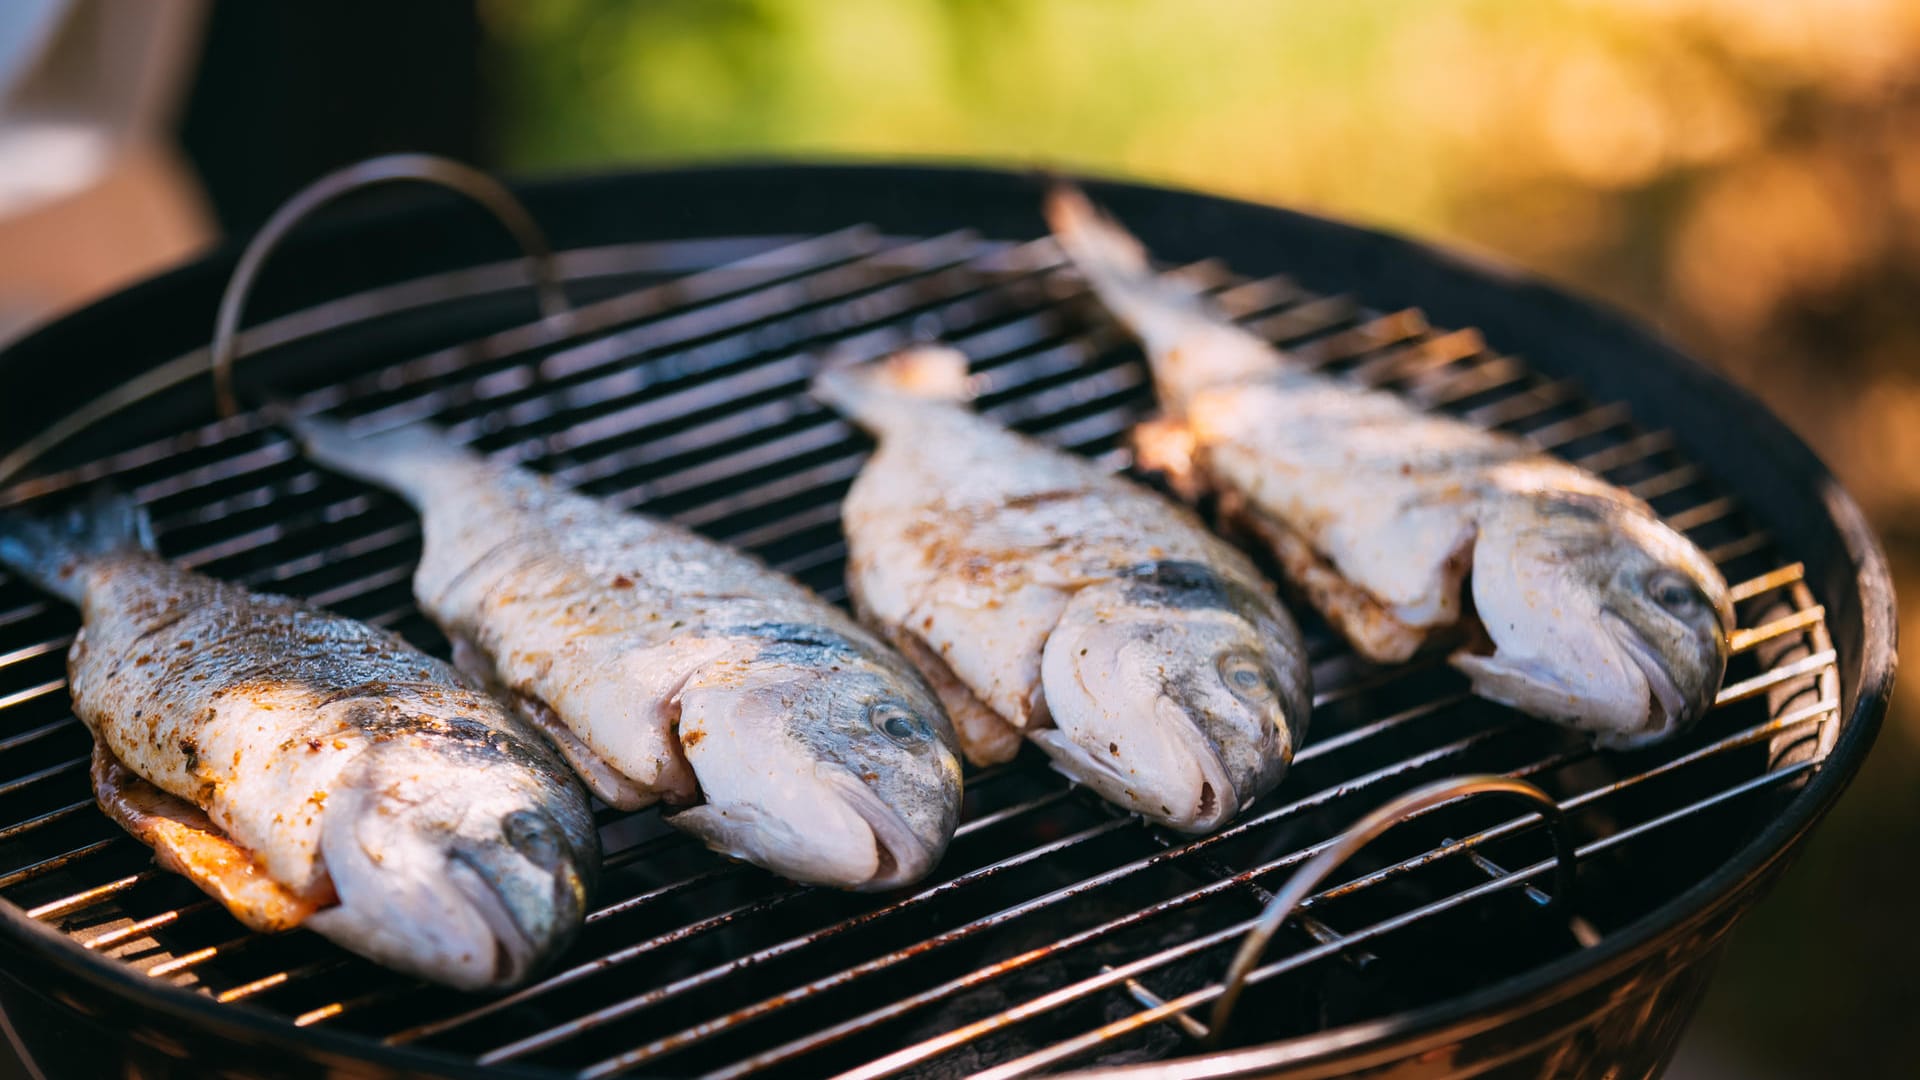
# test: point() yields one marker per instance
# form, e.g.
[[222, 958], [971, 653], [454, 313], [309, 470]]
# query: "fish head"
[[821, 757], [1599, 615], [468, 861], [1175, 691]]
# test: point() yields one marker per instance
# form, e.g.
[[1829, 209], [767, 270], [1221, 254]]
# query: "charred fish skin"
[[669, 668], [1401, 525], [309, 770], [1050, 601]]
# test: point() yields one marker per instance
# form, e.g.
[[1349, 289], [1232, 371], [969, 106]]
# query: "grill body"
[[1542, 1007]]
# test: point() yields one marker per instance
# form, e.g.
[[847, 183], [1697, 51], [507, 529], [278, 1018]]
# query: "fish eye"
[[898, 724], [1675, 592], [1246, 677]]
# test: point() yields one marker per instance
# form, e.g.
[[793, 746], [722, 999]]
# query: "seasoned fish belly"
[[309, 770], [1400, 526], [668, 668], [1048, 600]]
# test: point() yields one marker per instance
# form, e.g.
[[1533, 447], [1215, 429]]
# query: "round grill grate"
[[678, 386]]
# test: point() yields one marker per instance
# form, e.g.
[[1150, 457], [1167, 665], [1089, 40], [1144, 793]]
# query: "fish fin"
[[401, 460], [607, 783], [187, 842], [985, 737], [595, 772], [1367, 623], [48, 552], [869, 392]]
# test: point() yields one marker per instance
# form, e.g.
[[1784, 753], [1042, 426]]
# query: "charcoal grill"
[[1057, 935]]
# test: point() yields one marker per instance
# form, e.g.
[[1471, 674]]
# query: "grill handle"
[[466, 180], [1363, 832]]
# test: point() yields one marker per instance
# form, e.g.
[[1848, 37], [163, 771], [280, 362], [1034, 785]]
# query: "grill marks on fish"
[[1385, 517], [667, 668], [1047, 600]]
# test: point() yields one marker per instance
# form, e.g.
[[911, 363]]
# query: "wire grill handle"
[[1362, 832], [466, 180]]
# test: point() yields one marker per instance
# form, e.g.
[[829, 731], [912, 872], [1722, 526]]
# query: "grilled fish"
[[309, 770], [1404, 527], [668, 668], [1045, 598]]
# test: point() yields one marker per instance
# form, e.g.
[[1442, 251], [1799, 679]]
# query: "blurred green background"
[[1743, 173]]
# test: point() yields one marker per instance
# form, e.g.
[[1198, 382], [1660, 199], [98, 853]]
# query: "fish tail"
[[870, 393], [1114, 262], [48, 551], [1189, 343], [402, 460], [1100, 246]]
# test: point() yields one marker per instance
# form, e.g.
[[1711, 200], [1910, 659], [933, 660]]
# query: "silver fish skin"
[[1047, 599], [669, 668], [1404, 527], [309, 770]]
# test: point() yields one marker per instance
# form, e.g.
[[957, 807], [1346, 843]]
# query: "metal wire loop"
[[1362, 832], [466, 180]]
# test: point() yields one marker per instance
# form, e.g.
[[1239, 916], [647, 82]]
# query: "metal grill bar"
[[1799, 718], [1742, 640], [134, 930], [1767, 582], [51, 817], [278, 978], [197, 956], [66, 905], [1067, 1049], [749, 271], [688, 396]]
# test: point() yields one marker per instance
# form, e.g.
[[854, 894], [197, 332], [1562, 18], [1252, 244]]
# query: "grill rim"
[[1855, 573]]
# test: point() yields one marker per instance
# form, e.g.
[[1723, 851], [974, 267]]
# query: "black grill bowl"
[[715, 291]]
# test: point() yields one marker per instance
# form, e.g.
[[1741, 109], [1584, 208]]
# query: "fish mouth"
[[1531, 686], [825, 827], [1219, 799], [1215, 800], [901, 855], [1666, 705], [518, 948]]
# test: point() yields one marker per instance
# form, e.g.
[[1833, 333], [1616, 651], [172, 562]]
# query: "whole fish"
[[1590, 611], [1046, 598], [309, 770], [669, 668]]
